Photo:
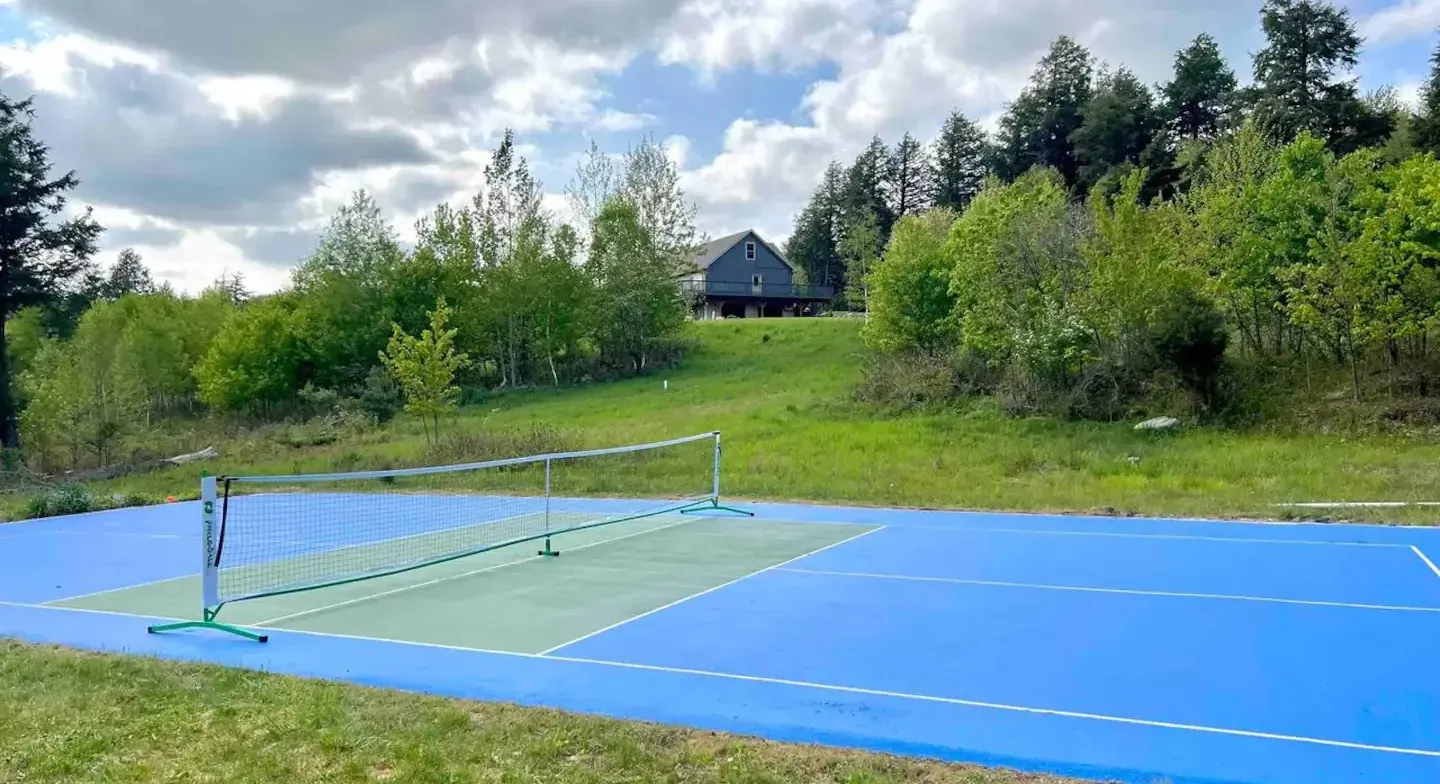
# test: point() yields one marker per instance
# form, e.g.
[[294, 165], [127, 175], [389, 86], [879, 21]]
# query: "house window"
[[749, 251], [757, 283]]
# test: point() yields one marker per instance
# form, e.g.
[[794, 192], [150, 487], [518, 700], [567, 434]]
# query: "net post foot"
[[548, 552], [715, 506], [733, 510], [222, 627]]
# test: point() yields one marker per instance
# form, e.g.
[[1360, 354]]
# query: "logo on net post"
[[209, 531]]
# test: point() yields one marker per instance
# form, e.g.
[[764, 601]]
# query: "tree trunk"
[[9, 421]]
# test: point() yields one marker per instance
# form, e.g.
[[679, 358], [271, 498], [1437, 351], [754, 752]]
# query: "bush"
[[911, 380], [317, 401], [62, 500], [380, 396]]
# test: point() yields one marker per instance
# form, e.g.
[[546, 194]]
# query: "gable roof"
[[714, 249]]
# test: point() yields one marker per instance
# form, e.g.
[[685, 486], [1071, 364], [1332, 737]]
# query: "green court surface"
[[510, 599]]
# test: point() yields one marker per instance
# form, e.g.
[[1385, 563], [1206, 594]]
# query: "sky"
[[217, 138]]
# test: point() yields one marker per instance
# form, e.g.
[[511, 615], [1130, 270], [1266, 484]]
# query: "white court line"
[[97, 532], [1123, 591], [709, 590], [190, 576], [1427, 561], [1123, 535], [470, 573], [830, 687]]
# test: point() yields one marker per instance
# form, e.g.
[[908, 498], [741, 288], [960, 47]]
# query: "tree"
[[1427, 134], [861, 249], [650, 183], [341, 293], [1198, 101], [1036, 129], [256, 358], [597, 178], [909, 177], [86, 394], [863, 202], [1119, 125], [960, 168], [636, 305], [38, 254], [911, 307], [1227, 236], [813, 245], [232, 287], [128, 276], [424, 367], [1310, 44]]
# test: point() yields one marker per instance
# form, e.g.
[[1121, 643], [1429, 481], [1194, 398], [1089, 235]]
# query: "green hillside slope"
[[781, 392]]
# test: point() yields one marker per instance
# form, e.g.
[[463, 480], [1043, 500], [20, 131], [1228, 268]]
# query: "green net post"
[[715, 505], [209, 572], [549, 551]]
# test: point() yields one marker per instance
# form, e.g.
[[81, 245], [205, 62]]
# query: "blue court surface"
[[1109, 648]]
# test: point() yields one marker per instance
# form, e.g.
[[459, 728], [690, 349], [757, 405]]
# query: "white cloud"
[[199, 258], [716, 35], [614, 120], [1409, 19]]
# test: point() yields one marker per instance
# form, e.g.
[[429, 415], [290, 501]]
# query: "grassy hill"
[[781, 392]]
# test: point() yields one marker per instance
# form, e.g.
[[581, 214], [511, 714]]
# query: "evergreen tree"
[[813, 245], [128, 276], [1036, 129], [960, 166], [1427, 131], [1197, 102], [1300, 76], [1120, 124], [864, 192], [38, 255], [909, 178]]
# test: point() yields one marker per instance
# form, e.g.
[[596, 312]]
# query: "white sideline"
[[1126, 535], [836, 688], [1427, 561], [709, 590], [470, 573], [1122, 591]]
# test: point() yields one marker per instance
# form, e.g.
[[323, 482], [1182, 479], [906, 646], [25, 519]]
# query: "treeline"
[[530, 299], [1094, 126], [1125, 249]]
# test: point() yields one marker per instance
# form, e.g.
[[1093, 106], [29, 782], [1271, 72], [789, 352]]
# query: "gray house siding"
[[729, 283], [733, 267]]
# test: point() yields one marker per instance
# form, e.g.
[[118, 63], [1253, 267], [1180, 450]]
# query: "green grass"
[[72, 716], [781, 393]]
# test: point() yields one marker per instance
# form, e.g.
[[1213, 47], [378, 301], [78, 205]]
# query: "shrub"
[[380, 396], [62, 500]]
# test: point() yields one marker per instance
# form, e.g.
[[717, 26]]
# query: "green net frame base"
[[716, 506], [209, 623]]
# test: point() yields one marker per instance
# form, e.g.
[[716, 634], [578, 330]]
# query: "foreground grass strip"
[[77, 716]]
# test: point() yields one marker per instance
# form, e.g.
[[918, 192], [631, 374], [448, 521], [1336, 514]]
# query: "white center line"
[[709, 590]]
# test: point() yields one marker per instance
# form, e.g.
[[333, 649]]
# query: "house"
[[743, 276]]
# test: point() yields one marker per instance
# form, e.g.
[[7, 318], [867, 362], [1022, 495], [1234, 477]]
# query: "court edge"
[[928, 698]]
